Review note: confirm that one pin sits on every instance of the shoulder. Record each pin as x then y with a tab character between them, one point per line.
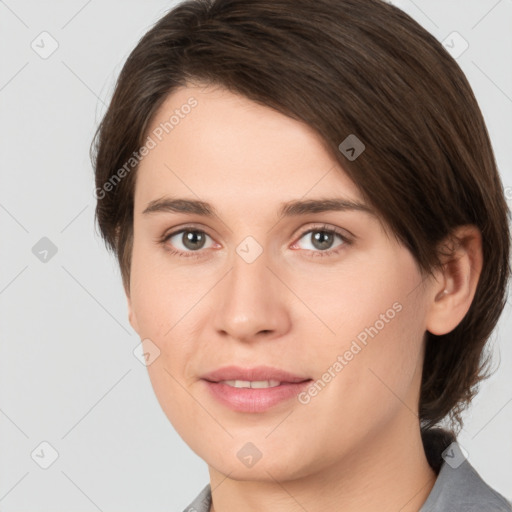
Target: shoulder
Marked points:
459	487
202	501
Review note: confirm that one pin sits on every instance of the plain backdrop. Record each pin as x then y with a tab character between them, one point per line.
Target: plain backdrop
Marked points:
73	397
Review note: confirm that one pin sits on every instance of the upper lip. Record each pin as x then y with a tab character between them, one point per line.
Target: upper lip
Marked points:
256	373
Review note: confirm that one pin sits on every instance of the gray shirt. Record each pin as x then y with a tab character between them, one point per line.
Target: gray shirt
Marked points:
458	488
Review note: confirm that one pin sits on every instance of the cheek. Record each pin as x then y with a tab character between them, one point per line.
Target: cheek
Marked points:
160	294
359	302
376	352
376	382
163	301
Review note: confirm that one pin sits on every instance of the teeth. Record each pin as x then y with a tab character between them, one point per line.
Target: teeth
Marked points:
259	384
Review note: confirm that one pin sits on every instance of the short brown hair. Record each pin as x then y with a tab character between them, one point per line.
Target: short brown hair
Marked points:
343	67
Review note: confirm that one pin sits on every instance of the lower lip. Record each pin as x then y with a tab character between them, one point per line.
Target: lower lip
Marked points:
257	399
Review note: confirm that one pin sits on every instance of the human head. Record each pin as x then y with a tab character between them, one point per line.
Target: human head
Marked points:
342	67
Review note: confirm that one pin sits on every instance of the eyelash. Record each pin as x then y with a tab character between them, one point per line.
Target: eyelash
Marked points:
316	253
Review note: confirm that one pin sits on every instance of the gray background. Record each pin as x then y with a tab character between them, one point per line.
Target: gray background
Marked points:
68	375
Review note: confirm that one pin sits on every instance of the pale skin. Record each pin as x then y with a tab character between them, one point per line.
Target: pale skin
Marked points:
356	446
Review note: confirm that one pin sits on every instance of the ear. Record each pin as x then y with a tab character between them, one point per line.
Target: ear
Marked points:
126	279
131	316
452	294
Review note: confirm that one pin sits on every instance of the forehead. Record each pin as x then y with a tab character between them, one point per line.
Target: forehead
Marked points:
212	143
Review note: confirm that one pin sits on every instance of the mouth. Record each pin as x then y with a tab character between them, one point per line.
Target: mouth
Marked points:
253	390
255	384
257	374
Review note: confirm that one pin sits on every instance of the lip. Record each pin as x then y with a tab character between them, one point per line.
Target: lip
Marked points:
253	400
255	373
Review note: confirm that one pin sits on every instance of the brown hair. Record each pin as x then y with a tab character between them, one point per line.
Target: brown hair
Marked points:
343	67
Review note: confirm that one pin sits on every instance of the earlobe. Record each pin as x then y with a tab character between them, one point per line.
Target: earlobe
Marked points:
453	294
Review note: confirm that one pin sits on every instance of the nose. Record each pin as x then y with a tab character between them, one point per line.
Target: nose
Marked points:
251	302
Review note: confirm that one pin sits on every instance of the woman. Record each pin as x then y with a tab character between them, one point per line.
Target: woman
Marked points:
314	245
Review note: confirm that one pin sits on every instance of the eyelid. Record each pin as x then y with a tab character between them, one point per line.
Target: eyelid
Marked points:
187	227
322	226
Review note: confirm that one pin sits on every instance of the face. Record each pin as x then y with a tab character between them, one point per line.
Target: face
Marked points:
321	293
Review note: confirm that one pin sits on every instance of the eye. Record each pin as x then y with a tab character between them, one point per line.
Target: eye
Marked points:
321	240
187	240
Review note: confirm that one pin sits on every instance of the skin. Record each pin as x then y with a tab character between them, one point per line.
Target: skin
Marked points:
355	446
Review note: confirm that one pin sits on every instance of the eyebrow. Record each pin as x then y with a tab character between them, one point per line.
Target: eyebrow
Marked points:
288	209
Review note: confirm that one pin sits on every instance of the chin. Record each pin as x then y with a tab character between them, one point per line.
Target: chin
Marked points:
268	468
